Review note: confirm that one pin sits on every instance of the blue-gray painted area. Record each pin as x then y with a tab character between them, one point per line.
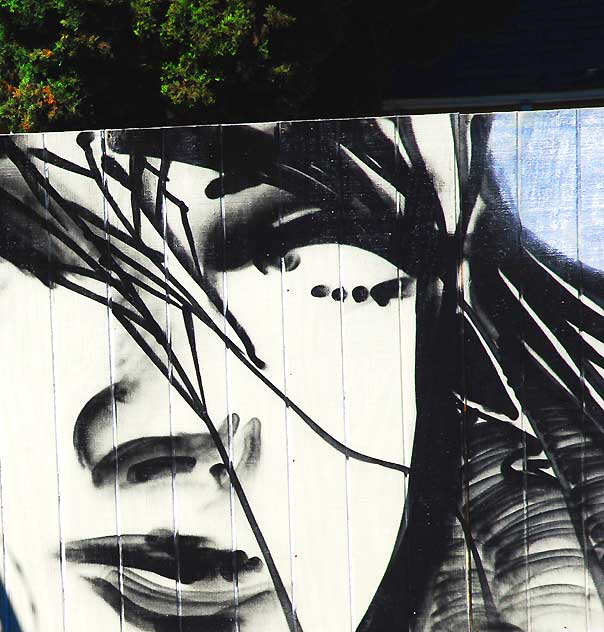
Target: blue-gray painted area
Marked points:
561	184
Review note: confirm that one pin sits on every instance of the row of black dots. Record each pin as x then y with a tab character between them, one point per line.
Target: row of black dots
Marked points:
360	293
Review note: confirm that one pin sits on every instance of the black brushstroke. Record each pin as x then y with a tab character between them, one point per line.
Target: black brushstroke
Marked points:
157	553
383	292
157	467
53	159
190	328
99	405
133	455
149	621
152	216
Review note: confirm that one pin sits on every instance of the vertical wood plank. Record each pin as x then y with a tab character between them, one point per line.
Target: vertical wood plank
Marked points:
432	206
253	297
142	397
375	410
204	507
504	550
590	124
82	370
31	562
549	213
313	357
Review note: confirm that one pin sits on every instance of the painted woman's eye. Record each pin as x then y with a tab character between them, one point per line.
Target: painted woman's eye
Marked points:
147	459
159	467
339	272
268	261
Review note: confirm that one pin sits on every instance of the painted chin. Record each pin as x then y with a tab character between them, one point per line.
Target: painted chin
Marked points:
151	601
216	588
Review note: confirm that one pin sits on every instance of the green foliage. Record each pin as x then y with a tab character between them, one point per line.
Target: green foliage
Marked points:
202	37
86	63
135	63
210	42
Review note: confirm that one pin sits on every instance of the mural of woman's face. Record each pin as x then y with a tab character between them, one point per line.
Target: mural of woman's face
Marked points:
128	511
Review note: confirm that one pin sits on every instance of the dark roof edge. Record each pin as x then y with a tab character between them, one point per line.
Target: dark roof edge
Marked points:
519	101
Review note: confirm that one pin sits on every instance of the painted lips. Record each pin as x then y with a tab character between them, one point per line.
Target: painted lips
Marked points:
151	564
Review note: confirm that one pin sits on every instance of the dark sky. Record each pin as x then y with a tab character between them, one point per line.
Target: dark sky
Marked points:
536	46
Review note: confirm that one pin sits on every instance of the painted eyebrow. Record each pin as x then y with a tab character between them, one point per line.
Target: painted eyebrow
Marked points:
96	408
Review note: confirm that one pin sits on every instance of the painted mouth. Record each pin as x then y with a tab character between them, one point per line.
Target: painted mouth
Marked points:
212	582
